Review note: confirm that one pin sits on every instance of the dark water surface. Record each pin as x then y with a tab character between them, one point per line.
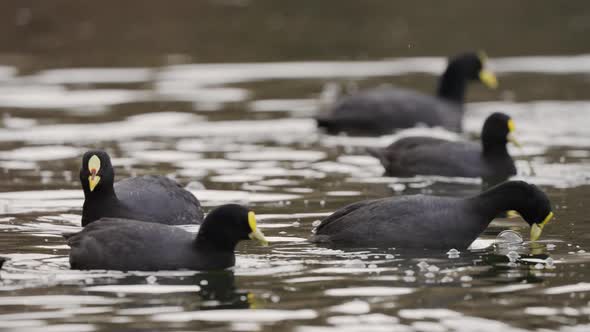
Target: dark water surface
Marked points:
219	95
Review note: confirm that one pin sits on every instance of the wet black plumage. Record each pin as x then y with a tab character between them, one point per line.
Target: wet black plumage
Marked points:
130	245
147	198
412	156
384	110
433	222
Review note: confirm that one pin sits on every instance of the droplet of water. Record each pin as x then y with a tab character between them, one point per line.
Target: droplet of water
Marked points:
549	262
204	282
513	256
550	246
581	251
275	298
316	223
466	279
446	279
409	279
422	265
356	264
433	268
509	236
389	256
67	176
397	187
372	266
453	253
296	224
194	186
429	275
151	280
539	266
322	203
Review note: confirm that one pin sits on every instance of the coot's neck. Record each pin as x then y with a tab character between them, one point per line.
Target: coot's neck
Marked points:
501	198
98	204
452	85
494	150
212	239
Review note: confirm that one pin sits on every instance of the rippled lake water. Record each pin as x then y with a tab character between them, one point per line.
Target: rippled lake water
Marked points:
243	132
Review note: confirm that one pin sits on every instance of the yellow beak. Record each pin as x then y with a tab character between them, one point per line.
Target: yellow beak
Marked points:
93	168
510	137
93	181
488	79
256	234
537	229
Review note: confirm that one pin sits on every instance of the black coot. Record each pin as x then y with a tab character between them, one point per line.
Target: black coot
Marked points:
147	198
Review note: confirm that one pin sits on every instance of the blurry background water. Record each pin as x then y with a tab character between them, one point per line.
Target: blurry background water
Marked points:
219	95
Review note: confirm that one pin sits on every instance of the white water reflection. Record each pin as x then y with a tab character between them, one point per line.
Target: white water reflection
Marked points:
93	75
281	105
262	315
7	72
63	200
57	97
216	74
369	291
53	300
41	153
166	124
277	154
143	289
